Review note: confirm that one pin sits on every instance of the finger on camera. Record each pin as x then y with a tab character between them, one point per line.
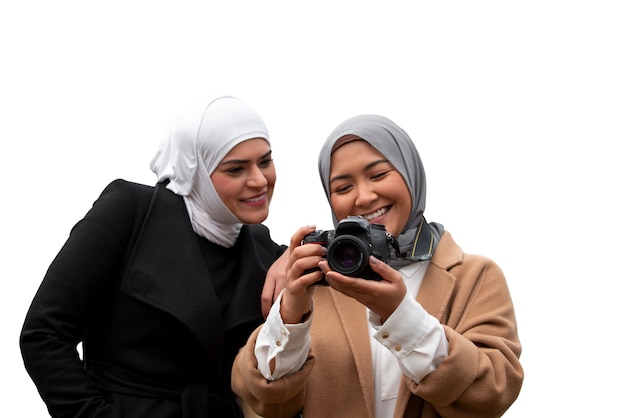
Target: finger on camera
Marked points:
298	236
312	248
305	257
337	280
335	275
300	286
312	277
383	269
306	264
308	250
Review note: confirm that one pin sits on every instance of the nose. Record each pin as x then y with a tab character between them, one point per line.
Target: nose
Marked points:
365	195
256	178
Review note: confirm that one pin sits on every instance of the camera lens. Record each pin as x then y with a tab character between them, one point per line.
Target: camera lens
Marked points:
348	255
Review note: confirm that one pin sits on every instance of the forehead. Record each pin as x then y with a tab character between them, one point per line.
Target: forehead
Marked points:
353	155
344	140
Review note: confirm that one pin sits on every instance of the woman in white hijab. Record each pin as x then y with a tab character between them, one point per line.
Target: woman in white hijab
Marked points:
432	333
161	284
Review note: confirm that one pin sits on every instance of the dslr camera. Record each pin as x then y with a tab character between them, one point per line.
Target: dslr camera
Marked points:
351	244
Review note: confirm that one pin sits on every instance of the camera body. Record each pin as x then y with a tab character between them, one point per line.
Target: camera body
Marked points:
351	244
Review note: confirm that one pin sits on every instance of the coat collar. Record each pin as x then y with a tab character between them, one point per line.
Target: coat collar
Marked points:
434	295
167	271
437	286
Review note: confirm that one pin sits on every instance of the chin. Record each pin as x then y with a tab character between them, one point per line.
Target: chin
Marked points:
393	231
253	219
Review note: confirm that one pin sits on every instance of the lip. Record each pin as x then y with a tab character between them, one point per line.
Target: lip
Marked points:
378	219
256	200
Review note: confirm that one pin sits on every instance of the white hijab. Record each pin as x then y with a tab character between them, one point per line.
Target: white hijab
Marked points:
193	146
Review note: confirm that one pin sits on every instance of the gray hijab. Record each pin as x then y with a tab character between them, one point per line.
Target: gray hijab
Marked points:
418	239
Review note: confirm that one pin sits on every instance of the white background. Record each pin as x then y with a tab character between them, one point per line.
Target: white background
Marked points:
517	108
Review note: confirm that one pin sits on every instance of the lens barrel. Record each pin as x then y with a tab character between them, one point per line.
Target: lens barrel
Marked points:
348	255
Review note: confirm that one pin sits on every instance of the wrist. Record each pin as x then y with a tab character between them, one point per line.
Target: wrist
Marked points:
293	316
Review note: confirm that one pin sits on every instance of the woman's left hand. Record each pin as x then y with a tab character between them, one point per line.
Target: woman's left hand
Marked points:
381	297
275	282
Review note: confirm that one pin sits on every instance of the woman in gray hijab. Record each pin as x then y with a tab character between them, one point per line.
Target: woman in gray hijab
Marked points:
429	331
161	284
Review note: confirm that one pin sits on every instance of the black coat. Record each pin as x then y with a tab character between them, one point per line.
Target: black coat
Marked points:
132	285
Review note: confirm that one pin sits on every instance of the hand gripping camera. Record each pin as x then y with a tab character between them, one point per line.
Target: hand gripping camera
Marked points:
351	244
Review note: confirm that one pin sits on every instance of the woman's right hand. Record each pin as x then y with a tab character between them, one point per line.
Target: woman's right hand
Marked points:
381	296
296	301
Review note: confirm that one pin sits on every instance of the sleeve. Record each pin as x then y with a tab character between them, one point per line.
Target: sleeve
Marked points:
281	398
482	375
414	337
71	291
287	346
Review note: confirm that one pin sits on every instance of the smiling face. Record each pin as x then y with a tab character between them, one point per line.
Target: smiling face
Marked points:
363	182
244	180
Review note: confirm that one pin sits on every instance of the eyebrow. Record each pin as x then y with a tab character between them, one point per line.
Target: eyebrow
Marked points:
367	167
267	154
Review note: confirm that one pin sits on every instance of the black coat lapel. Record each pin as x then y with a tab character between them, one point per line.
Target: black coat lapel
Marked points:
246	302
166	269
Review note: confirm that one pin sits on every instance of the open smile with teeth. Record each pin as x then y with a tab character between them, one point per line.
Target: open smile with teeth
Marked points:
255	198
376	214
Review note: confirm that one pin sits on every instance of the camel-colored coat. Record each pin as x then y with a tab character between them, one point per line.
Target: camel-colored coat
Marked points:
481	377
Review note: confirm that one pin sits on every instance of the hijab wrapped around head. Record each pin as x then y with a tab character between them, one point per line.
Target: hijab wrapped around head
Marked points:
193	146
418	239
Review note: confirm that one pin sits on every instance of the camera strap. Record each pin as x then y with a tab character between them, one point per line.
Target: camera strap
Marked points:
393	242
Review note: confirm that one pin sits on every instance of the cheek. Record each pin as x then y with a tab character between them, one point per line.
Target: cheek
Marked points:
270	176
340	205
223	186
405	205
271	181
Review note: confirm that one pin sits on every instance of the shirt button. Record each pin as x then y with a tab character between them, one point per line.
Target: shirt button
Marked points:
278	343
386	335
398	347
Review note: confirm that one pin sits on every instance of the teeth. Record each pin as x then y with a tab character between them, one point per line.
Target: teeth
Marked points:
376	214
255	199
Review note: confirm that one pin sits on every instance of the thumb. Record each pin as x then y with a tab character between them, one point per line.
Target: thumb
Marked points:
380	267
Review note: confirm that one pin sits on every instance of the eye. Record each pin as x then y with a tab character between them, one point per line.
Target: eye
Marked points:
344	188
265	163
379	175
235	170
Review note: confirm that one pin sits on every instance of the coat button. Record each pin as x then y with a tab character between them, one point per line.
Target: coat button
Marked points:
398	347
386	335
278	343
